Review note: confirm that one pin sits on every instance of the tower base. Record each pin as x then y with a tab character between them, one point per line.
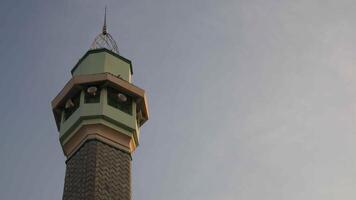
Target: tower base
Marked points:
98	171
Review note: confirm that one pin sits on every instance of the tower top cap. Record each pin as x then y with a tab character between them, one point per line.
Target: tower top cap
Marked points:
105	40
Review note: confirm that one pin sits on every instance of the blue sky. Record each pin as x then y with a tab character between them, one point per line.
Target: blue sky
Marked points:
248	99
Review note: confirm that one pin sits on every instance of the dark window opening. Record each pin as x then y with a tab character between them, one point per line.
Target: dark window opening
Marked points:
71	105
120	101
92	94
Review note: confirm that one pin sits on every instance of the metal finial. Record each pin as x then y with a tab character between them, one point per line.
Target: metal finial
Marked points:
104	40
104	27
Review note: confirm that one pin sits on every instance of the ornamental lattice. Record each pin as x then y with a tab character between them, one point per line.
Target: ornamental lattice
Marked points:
105	40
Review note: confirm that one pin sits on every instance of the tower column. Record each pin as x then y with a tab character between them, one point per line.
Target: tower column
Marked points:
98	171
98	114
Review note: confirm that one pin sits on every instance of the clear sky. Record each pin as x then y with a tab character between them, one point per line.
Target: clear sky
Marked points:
249	100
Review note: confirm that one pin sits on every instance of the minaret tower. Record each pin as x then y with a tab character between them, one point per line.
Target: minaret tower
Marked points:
99	113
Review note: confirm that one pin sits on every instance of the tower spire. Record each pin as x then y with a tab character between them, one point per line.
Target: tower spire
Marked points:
104	26
105	40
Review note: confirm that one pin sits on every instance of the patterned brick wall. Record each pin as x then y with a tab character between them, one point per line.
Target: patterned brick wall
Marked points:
98	172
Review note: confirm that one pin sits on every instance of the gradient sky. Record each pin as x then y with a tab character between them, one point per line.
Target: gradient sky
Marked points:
249	99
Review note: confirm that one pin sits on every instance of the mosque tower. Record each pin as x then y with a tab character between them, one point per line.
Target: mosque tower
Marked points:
98	114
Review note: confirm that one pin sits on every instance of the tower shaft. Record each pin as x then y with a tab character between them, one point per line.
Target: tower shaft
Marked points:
98	114
98	171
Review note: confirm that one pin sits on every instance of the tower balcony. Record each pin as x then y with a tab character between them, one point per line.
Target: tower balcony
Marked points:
102	106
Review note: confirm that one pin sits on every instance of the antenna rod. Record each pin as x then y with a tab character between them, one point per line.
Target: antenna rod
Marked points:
104	27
